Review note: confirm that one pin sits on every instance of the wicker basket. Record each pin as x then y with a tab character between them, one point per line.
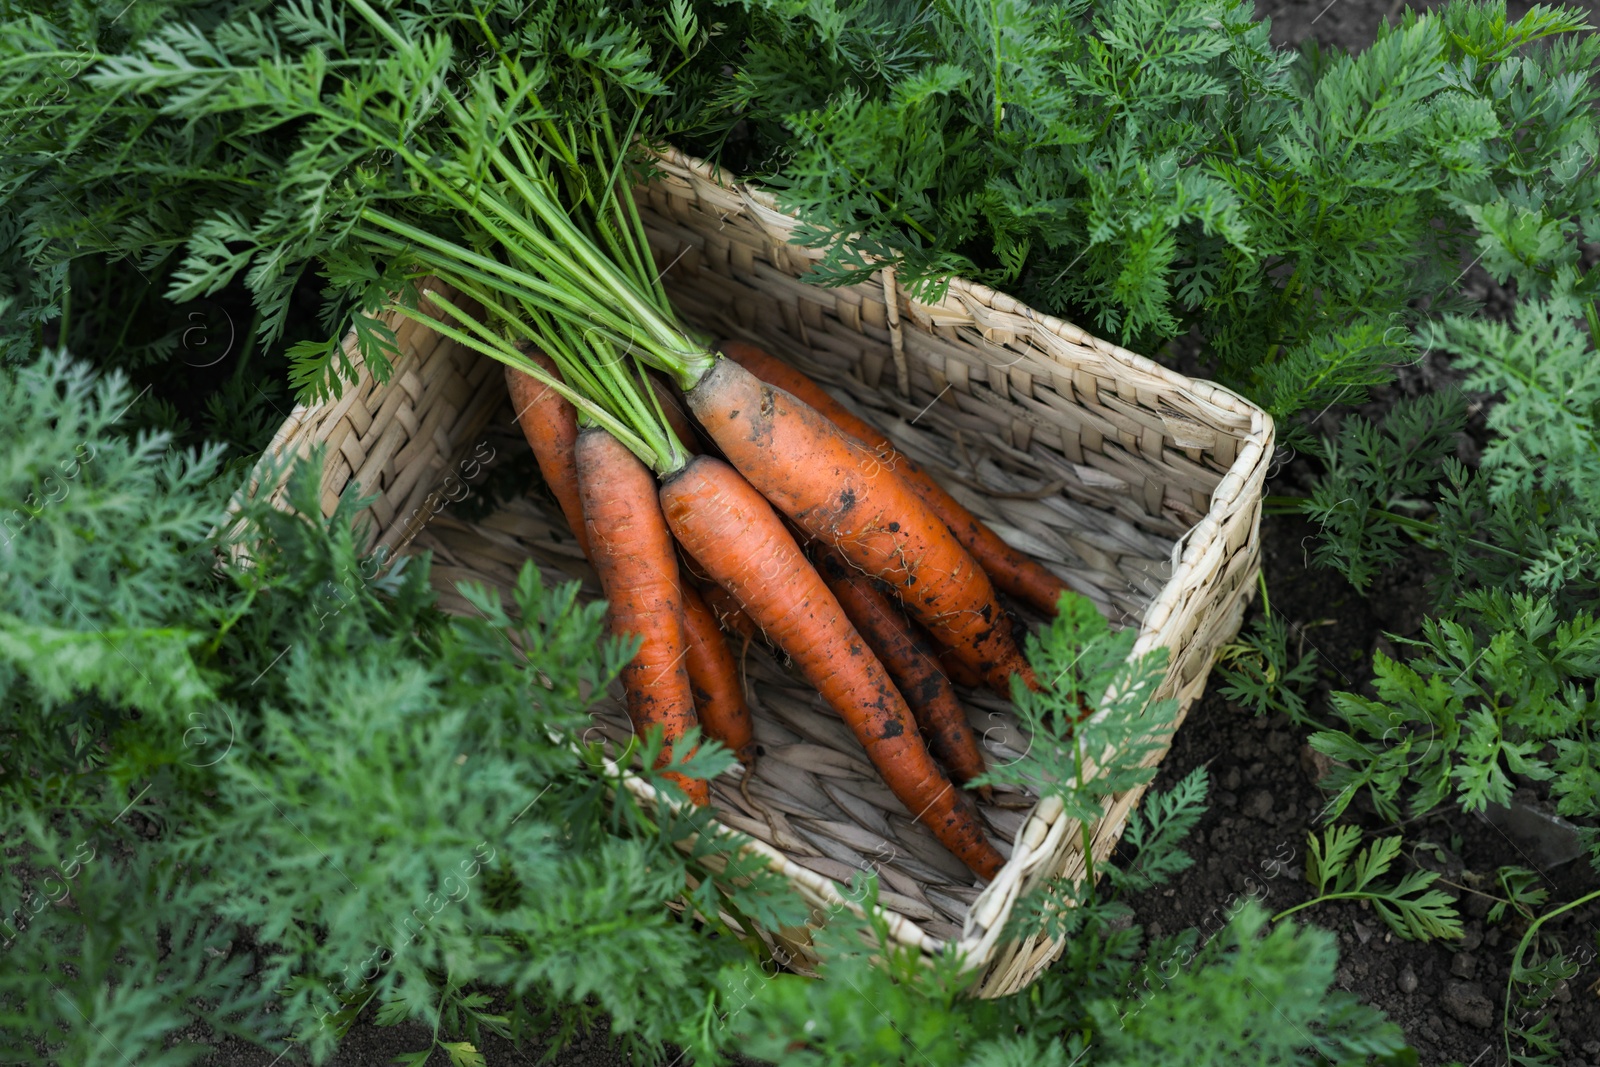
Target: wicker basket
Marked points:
1139	486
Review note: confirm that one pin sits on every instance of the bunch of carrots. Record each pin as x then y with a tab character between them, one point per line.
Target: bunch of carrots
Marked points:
810	527
765	498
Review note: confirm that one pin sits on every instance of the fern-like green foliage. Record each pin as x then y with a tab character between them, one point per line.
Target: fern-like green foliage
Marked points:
1482	700
1410	907
1156	166
245	141
1501	682
1250	994
1102	945
1095	722
1371	474
1523	893
1259	671
102	558
1543	461
387	805
1155	831
119	954
1257	979
90	539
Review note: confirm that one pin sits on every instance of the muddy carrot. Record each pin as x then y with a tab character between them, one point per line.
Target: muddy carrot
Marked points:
633	553
715	680
1010	570
840	491
551	426
910	660
956	671
732	531
730	616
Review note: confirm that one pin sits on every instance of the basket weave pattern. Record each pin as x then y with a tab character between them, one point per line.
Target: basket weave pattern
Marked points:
1139	486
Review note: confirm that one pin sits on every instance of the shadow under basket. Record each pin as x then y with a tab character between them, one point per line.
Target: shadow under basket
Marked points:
1139	486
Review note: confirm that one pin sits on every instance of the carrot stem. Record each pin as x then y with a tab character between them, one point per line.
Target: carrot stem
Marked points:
497	348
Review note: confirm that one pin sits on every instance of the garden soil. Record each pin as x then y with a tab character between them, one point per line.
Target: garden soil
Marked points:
1448	996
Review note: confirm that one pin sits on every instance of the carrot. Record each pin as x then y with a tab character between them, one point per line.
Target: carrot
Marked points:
550	424
1010	570
841	492
956	671
732	531
730	616
714	679
910	661
632	551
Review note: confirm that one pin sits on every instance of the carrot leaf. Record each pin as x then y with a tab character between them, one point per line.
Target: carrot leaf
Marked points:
1080	759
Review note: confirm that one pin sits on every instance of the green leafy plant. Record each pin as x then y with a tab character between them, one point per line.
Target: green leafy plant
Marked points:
1156	167
1499	686
1529	515
1409	907
1260	672
1250	974
1155	831
1541	468
460	1012
383	803
1372	475
1153	165
1519	894
1522	892
100	547
1249	991
1064	907
1095	723
1541	974
1470	711
277	144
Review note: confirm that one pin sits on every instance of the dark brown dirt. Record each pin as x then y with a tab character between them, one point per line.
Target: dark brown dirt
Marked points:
1446	995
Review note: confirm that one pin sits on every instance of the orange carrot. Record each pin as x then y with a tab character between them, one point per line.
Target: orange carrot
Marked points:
838	490
632	551
732	531
550	424
1010	570
956	671
910	661
730	616
726	610
714	679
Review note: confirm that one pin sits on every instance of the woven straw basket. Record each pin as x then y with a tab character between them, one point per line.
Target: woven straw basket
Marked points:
1139	486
